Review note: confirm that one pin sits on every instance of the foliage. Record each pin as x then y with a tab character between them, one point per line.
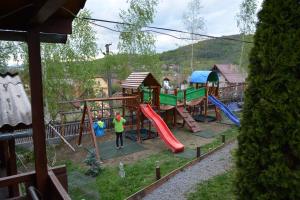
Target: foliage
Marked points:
136	44
268	157
93	163
139	14
193	22
192	19
246	18
8	50
219	187
67	74
24	156
209	52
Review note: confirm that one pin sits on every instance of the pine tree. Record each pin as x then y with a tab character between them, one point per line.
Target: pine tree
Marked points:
94	165
268	157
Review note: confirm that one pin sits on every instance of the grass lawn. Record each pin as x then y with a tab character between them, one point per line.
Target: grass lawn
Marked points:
218	188
138	175
108	185
230	134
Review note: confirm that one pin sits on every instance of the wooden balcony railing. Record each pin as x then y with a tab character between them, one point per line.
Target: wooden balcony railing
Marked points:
58	184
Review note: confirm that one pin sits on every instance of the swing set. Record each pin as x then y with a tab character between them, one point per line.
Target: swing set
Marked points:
87	112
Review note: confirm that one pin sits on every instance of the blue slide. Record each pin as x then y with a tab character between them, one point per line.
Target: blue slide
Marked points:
225	109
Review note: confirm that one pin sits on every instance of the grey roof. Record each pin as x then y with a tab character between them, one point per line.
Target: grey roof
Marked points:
15	108
231	73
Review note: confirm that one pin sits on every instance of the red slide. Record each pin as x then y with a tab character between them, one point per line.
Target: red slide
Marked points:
164	132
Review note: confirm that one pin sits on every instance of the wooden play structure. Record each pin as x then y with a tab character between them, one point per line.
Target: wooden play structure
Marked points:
187	102
138	103
208	81
132	97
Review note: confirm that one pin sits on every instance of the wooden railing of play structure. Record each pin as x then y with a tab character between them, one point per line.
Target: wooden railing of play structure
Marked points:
131	103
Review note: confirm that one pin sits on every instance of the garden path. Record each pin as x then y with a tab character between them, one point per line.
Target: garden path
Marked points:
185	182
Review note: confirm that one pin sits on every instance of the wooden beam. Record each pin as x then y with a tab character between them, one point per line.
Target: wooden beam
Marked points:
81	124
47	10
102	99
22	36
93	133
37	109
28	177
58	186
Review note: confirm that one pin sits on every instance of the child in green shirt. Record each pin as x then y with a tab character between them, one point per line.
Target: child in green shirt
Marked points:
119	122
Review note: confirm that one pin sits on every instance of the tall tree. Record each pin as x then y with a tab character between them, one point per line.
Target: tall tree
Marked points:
132	39
66	69
193	22
246	20
268	156
139	45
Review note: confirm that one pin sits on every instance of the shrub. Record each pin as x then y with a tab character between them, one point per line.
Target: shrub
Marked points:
268	157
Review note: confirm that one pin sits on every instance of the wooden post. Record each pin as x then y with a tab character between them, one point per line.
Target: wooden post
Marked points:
184	98
102	109
12	168
62	122
82	124
198	152
223	138
123	103
93	136
157	172
138	123
37	110
206	101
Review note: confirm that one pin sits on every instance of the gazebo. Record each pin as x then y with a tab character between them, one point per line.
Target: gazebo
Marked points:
33	22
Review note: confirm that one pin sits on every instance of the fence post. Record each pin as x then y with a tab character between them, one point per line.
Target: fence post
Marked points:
198	152
223	138
157	170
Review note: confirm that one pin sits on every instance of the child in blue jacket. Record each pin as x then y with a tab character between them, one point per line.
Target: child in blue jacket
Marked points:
99	127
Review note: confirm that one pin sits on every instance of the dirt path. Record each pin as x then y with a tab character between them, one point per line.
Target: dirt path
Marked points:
185	182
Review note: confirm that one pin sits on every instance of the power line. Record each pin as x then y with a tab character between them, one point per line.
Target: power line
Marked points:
165	29
151	27
147	30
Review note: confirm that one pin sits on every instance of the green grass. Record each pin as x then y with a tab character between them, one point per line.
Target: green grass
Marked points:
108	185
229	135
218	188
138	175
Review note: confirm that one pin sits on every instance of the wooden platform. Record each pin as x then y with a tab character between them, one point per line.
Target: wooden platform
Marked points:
191	123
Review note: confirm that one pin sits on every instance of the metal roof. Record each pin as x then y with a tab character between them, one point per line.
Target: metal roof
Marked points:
203	77
15	108
230	73
136	79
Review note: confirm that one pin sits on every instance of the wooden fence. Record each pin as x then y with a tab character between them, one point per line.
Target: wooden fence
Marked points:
71	129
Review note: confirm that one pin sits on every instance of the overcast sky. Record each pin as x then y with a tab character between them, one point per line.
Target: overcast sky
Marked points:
219	16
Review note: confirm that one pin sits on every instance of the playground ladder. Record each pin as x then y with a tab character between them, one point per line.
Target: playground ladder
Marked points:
191	123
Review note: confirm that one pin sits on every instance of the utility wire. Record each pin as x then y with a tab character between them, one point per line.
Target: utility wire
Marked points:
147	30
151	27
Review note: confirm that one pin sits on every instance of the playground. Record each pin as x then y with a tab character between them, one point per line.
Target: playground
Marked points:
150	113
164	128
